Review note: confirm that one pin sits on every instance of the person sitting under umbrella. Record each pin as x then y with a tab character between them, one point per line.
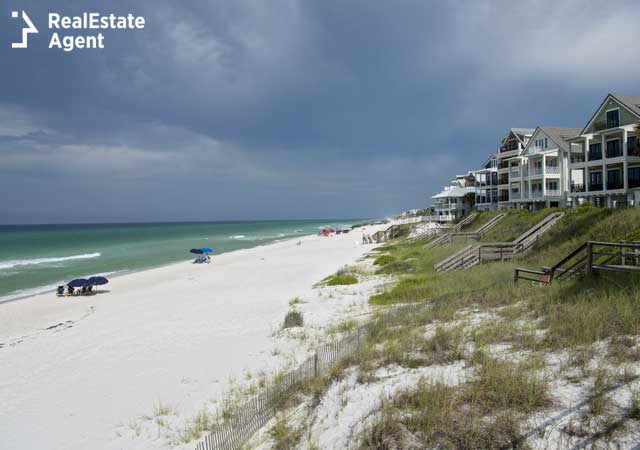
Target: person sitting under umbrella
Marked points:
77	283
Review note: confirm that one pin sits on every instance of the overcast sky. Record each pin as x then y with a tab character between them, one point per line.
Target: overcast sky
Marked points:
236	109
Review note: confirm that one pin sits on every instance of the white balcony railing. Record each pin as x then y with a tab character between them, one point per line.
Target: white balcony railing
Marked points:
515	196
536	194
515	173
554	192
445	207
535	171
552	170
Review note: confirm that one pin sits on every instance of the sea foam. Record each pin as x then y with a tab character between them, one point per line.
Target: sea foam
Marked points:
38	261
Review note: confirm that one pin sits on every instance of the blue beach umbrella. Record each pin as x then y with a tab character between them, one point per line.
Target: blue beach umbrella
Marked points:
78	282
98	281
197	251
206	250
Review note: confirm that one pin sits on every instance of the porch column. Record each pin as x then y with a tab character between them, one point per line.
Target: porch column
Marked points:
586	148
624	175
586	178
544	176
624	161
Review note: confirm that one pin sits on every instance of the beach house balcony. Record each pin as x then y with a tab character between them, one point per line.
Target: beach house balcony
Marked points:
578	187
503	164
614	149
595	152
612	121
595	181
510	146
552	170
633	177
554	193
604	157
615	177
535	171
537	193
632	148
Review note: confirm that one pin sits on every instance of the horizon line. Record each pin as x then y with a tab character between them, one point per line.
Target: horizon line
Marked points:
186	221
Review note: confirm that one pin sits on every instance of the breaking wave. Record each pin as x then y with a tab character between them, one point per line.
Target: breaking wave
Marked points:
38	261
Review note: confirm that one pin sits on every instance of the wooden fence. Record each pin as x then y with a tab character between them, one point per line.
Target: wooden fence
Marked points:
254	413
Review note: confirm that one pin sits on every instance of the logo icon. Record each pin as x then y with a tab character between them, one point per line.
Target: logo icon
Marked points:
30	28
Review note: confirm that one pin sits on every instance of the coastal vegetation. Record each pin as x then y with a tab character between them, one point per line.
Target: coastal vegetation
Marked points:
514	345
342	279
293	319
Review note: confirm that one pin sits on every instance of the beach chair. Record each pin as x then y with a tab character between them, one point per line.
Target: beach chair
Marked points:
70	290
83	291
60	291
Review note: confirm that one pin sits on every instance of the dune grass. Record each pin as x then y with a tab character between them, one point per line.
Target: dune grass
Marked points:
341	279
516	222
484	413
383	260
489	409
483	218
293	319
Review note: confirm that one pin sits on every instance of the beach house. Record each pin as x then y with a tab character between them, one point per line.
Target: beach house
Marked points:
486	182
455	200
604	161
508	156
542	178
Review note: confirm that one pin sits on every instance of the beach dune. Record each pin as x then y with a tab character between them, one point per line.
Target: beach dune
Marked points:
73	369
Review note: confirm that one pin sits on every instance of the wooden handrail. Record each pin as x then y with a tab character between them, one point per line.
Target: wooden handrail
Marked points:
454	256
544	222
587	260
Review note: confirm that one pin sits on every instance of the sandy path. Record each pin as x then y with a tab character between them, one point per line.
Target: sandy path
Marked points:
173	334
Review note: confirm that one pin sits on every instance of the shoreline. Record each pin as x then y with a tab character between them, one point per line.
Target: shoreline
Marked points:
175	334
124	272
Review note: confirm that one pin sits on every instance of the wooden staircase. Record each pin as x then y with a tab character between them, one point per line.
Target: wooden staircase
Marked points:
474	254
530	237
448	238
428	234
589	258
466	221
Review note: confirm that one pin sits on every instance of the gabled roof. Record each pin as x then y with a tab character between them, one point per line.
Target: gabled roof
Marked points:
631	102
523	131
519	133
560	135
487	162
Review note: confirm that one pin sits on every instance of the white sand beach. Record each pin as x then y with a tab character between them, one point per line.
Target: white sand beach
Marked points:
74	370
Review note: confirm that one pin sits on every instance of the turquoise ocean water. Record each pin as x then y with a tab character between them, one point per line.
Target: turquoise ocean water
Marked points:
36	258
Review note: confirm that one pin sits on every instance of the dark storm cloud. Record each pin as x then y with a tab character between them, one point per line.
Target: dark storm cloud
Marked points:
249	109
